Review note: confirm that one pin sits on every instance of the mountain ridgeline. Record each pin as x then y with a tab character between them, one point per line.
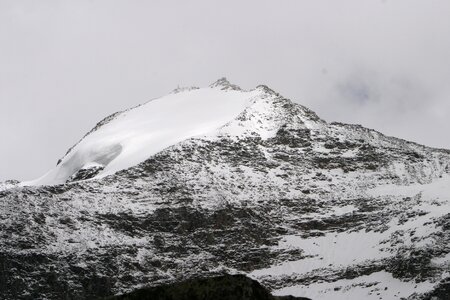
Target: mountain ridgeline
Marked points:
218	180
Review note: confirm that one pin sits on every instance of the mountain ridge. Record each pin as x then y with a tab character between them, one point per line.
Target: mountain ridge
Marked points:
305	207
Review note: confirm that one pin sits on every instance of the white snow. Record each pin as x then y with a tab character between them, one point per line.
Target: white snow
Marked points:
136	134
444	260
350	153
91	164
379	285
331	250
340	250
439	188
6	186
259	118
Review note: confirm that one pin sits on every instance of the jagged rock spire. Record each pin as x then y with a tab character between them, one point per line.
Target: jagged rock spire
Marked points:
267	89
224	84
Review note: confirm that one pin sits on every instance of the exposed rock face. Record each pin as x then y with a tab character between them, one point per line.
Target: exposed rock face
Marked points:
86	173
225	287
305	207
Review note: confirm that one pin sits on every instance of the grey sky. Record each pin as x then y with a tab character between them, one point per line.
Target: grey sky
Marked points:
64	65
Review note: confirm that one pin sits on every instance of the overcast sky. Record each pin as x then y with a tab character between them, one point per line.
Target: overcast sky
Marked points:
64	65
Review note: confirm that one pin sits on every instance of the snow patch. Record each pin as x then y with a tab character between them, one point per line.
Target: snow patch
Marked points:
378	285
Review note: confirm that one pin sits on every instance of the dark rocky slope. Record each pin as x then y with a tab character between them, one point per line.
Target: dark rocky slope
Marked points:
225	287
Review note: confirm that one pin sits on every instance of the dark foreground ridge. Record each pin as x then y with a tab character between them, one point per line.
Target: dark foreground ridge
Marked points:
225	287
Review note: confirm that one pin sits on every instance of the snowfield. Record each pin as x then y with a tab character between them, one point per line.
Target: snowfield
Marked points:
136	134
379	285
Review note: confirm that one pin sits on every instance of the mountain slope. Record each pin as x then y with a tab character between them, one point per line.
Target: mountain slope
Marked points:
129	137
307	208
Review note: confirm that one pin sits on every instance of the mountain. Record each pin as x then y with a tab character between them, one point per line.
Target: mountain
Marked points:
219	180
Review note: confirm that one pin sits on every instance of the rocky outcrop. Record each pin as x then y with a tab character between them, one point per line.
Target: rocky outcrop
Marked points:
225	287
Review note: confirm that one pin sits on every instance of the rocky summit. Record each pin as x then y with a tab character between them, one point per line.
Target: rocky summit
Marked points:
207	181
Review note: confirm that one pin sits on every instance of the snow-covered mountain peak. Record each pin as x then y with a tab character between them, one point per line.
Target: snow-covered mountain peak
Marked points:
127	138
130	137
224	84
218	179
